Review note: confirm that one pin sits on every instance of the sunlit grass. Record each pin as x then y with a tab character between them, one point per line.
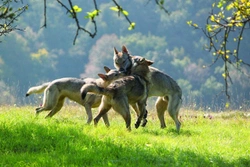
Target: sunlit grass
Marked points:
221	139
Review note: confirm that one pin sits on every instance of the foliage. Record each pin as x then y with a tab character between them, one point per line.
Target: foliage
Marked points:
205	140
226	24
9	15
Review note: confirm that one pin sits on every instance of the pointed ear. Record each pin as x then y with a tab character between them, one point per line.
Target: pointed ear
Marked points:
106	69
115	51
124	49
149	62
103	76
141	59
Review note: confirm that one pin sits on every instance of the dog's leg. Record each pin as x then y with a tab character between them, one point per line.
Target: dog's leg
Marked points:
103	109
121	106
56	108
145	121
102	112
173	109
89	113
161	107
105	119
45	106
143	111
135	107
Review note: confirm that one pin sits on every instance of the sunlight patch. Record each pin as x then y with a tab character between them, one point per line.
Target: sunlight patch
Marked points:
40	53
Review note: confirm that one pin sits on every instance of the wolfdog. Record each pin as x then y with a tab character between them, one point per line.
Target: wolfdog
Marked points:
120	93
168	91
57	90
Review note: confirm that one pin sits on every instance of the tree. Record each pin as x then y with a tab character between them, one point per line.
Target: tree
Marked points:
9	13
225	27
73	10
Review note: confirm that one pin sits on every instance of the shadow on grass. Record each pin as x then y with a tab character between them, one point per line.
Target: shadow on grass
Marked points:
169	131
33	144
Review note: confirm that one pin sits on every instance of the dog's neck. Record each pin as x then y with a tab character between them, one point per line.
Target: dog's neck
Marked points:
101	83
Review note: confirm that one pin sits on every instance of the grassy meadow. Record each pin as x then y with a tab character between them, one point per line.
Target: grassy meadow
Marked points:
219	139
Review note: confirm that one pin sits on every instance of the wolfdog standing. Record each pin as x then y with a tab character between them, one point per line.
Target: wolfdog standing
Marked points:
57	90
168	91
120	93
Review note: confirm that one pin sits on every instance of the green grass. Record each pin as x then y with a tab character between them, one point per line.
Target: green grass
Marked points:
65	140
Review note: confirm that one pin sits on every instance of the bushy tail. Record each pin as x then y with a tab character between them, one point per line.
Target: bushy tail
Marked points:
37	89
94	89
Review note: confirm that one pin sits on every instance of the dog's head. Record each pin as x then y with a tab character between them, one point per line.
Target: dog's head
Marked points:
111	75
140	66
122	60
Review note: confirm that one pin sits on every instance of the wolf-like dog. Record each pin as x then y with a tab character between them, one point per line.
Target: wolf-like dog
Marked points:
168	91
57	90
120	93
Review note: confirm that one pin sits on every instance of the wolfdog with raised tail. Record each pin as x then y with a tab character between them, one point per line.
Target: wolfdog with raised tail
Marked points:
57	90
166	88
132	89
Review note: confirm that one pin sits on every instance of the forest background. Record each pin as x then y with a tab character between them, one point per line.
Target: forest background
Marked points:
38	55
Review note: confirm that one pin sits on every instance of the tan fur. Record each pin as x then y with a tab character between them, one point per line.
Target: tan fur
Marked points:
56	91
168	91
122	92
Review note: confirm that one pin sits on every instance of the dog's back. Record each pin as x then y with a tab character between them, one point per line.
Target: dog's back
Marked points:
133	87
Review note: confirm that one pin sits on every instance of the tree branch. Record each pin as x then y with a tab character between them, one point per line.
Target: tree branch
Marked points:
74	16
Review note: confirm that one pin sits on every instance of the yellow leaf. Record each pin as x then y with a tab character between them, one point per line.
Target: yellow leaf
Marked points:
114	8
76	9
189	22
239	24
125	12
195	25
212	18
132	26
224	75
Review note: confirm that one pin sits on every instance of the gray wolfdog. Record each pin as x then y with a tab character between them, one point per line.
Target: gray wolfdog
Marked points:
120	93
57	90
168	91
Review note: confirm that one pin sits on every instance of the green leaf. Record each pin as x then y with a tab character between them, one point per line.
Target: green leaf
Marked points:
132	26
162	2
96	12
92	14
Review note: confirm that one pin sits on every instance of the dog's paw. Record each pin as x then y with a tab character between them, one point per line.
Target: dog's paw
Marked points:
137	124
144	123
95	122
